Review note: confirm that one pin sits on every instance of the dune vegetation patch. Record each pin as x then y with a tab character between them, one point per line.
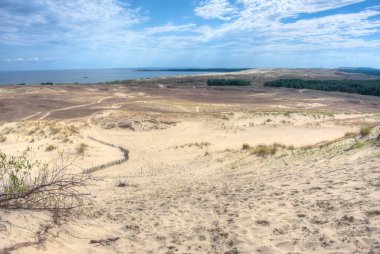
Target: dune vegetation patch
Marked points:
31	184
81	148
50	148
200	145
262	150
365	130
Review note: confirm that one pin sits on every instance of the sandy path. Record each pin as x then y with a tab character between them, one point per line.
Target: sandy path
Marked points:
74	107
31	116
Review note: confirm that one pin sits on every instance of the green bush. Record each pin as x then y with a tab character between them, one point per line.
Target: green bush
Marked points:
228	82
262	150
31	185
365	130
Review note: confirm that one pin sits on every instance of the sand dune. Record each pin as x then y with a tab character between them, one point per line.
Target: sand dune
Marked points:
190	187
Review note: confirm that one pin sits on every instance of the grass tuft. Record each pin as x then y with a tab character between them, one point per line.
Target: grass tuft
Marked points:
50	148
262	150
2	138
81	148
365	130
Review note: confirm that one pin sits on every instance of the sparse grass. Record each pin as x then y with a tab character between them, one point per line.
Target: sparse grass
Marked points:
50	148
54	130
358	144
291	147
200	145
65	140
7	130
81	148
373	213
350	135
246	147
307	147
262	150
2	138
365	130
122	183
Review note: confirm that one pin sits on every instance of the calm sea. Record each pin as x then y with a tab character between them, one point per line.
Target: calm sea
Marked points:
82	76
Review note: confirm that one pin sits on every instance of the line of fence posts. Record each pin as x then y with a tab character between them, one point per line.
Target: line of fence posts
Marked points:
109	164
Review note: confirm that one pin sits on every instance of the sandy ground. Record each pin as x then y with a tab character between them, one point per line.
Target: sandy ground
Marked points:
189	187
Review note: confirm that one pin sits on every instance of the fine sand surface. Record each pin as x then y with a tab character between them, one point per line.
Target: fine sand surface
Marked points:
188	186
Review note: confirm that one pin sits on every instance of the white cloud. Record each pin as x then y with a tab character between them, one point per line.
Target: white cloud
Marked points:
250	25
70	20
259	23
169	28
28	59
215	9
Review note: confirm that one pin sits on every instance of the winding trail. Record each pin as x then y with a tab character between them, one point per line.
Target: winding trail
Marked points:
30	116
73	107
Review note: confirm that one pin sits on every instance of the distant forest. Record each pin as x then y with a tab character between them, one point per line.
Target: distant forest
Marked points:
365	87
361	70
228	82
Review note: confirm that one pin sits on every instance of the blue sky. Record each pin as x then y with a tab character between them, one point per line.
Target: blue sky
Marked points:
70	34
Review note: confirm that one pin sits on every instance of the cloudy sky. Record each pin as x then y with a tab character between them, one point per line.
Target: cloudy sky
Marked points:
69	34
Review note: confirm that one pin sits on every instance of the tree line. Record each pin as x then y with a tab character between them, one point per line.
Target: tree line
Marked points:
365	87
228	82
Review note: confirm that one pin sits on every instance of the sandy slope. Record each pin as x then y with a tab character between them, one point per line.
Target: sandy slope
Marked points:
188	186
182	197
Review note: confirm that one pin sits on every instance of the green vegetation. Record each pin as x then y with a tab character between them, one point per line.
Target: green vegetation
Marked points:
31	185
365	87
365	130
228	82
262	150
362	70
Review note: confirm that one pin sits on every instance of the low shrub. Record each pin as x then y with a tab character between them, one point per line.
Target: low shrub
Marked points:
365	130
31	185
50	148
246	147
262	150
81	148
